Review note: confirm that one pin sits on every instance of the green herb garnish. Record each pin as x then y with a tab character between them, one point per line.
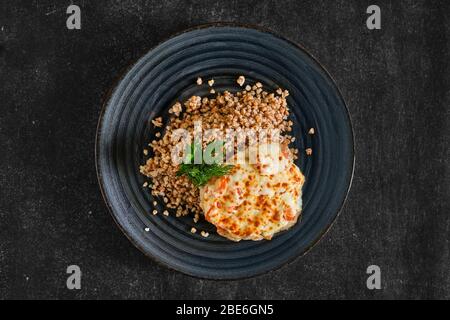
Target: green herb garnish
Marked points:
200	174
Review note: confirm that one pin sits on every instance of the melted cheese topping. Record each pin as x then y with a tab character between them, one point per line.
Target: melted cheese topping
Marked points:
256	200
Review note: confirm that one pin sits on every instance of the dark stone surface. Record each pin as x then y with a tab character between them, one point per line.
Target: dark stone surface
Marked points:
396	83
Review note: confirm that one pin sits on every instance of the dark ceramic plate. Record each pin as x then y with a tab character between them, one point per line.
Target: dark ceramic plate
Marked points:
168	73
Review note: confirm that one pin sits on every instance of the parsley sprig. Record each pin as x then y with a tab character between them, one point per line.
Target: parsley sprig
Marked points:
200	174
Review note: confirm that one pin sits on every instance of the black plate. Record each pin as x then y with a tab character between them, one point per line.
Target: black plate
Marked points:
168	73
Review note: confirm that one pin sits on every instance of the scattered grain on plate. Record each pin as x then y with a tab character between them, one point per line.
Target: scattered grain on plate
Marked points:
248	88
212	91
155	212
196	217
165	212
193	230
145	185
311	131
158	134
308	151
176	109
157	122
211	82
147	229
204	234
155	203
241	80
199	81
145	152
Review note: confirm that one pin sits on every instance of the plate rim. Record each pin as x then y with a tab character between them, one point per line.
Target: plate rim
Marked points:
124	71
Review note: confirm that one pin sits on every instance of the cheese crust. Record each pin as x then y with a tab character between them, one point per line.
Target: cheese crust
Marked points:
257	199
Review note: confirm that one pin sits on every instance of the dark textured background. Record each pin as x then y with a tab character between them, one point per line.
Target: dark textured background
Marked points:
396	82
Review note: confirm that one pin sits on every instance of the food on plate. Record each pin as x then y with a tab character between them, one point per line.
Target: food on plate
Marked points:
272	201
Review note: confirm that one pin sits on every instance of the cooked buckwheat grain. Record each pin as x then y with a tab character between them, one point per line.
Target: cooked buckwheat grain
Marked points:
248	109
